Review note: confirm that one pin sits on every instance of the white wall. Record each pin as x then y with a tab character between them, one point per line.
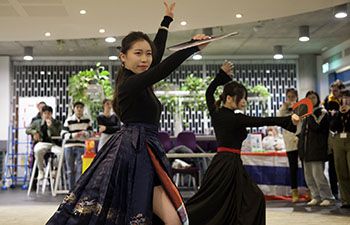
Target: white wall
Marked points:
4	96
344	61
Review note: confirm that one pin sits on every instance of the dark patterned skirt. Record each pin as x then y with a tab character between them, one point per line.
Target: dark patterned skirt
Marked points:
227	195
117	188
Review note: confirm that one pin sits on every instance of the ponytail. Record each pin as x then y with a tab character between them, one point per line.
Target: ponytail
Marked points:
118	81
220	101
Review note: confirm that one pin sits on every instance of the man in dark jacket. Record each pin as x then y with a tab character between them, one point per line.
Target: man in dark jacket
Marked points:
42	131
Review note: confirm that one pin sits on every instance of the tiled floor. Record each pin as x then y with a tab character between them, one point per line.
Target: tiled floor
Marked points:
17	208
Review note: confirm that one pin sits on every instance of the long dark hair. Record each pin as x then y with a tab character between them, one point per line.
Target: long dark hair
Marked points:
317	96
233	89
127	42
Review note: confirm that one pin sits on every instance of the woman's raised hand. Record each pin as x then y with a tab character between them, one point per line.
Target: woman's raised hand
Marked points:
169	10
201	37
227	67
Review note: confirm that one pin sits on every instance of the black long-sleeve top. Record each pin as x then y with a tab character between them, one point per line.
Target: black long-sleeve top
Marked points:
229	125
136	99
339	122
111	122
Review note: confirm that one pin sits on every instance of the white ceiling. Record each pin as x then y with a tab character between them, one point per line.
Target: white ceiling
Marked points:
264	24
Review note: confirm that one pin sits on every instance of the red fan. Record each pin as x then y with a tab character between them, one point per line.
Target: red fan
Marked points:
192	43
303	108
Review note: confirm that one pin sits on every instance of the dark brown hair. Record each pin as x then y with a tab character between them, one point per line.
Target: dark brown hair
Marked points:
338	83
293	90
127	42
317	96
233	89
105	100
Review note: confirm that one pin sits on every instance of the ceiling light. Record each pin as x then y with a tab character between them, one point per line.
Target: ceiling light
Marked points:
112	53
183	23
28	53
277	51
101	30
197	56
238	15
82	12
47	34
341	11
304	34
110	39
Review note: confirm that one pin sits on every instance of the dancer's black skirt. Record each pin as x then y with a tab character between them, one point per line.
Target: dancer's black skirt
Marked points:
117	188
227	195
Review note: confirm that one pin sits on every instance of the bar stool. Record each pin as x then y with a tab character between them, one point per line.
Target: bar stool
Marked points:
49	157
61	186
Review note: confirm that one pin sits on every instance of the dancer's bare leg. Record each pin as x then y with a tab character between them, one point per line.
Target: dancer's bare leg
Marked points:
163	207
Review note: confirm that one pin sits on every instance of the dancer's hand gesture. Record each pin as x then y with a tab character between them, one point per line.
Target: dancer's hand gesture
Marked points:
201	37
169	10
227	67
295	119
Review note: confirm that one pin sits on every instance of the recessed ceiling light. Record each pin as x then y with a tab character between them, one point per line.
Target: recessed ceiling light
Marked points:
183	23
110	39
28	53
113	57
341	11
113	53
197	56
277	49
238	15
83	12
304	33
28	58
341	15
278	56
304	39
47	34
101	30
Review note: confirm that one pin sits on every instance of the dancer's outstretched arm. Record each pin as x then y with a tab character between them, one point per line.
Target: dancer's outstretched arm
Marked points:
162	34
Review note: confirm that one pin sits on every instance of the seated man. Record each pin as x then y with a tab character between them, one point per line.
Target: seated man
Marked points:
42	130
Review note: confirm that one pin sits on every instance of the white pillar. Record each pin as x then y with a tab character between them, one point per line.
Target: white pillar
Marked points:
4	99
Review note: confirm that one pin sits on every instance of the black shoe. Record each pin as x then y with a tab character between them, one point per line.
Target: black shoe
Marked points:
345	206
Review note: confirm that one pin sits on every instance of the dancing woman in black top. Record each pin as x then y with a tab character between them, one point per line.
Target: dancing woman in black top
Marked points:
228	196
129	179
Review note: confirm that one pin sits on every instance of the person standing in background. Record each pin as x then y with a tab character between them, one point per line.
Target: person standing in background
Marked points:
339	142
330	103
313	147
76	129
108	123
291	142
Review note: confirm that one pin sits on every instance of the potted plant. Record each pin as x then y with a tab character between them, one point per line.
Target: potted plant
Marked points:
260	91
91	87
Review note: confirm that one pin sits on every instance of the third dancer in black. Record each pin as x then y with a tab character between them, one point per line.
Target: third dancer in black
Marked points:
228	196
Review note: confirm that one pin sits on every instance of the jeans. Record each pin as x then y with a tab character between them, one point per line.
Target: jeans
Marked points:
73	158
317	181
